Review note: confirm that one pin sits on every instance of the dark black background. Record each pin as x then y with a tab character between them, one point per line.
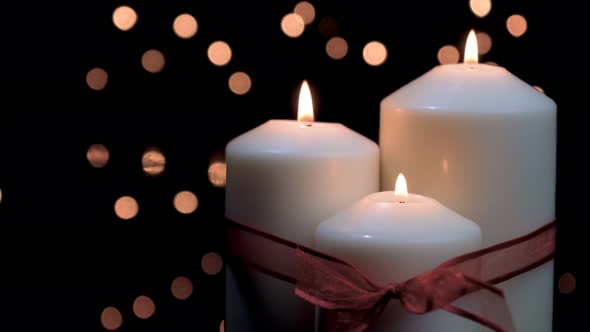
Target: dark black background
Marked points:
64	255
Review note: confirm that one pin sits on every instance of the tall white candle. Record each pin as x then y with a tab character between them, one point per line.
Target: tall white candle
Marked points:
285	177
482	142
393	236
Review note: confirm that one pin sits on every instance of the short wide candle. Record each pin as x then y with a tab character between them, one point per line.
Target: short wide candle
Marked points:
393	236
284	177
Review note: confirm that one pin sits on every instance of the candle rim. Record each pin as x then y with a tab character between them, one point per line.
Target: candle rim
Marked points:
448	84
410	199
473	67
382	223
290	139
317	124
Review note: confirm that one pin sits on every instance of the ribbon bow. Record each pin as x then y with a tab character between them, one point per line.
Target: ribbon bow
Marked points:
354	302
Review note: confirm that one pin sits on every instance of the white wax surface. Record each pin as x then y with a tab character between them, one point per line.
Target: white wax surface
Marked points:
391	241
483	143
285	177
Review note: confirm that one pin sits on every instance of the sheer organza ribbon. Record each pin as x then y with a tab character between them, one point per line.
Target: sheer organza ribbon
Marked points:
354	302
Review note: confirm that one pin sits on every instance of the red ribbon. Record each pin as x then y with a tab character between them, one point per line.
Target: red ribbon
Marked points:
354	302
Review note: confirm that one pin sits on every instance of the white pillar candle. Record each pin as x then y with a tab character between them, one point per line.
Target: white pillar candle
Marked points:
284	177
393	236
482	142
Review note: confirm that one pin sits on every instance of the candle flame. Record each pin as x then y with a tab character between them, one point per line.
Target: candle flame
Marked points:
305	107
401	186
471	48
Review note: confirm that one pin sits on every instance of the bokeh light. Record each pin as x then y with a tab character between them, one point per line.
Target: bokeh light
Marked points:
448	54
98	155
328	27
97	78
153	61
240	83
0	195
567	283
375	53
480	8
186	202
185	26
124	18
222	326
484	42
516	25
293	25
126	207
337	48
111	318
445	166
143	307
212	263
219	53
217	173
306	11
153	161
181	288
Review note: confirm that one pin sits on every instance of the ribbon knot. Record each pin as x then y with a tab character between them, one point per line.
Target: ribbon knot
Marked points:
353	302
433	290
391	293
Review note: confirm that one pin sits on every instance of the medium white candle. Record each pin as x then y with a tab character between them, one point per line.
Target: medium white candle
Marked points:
285	177
393	236
482	142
